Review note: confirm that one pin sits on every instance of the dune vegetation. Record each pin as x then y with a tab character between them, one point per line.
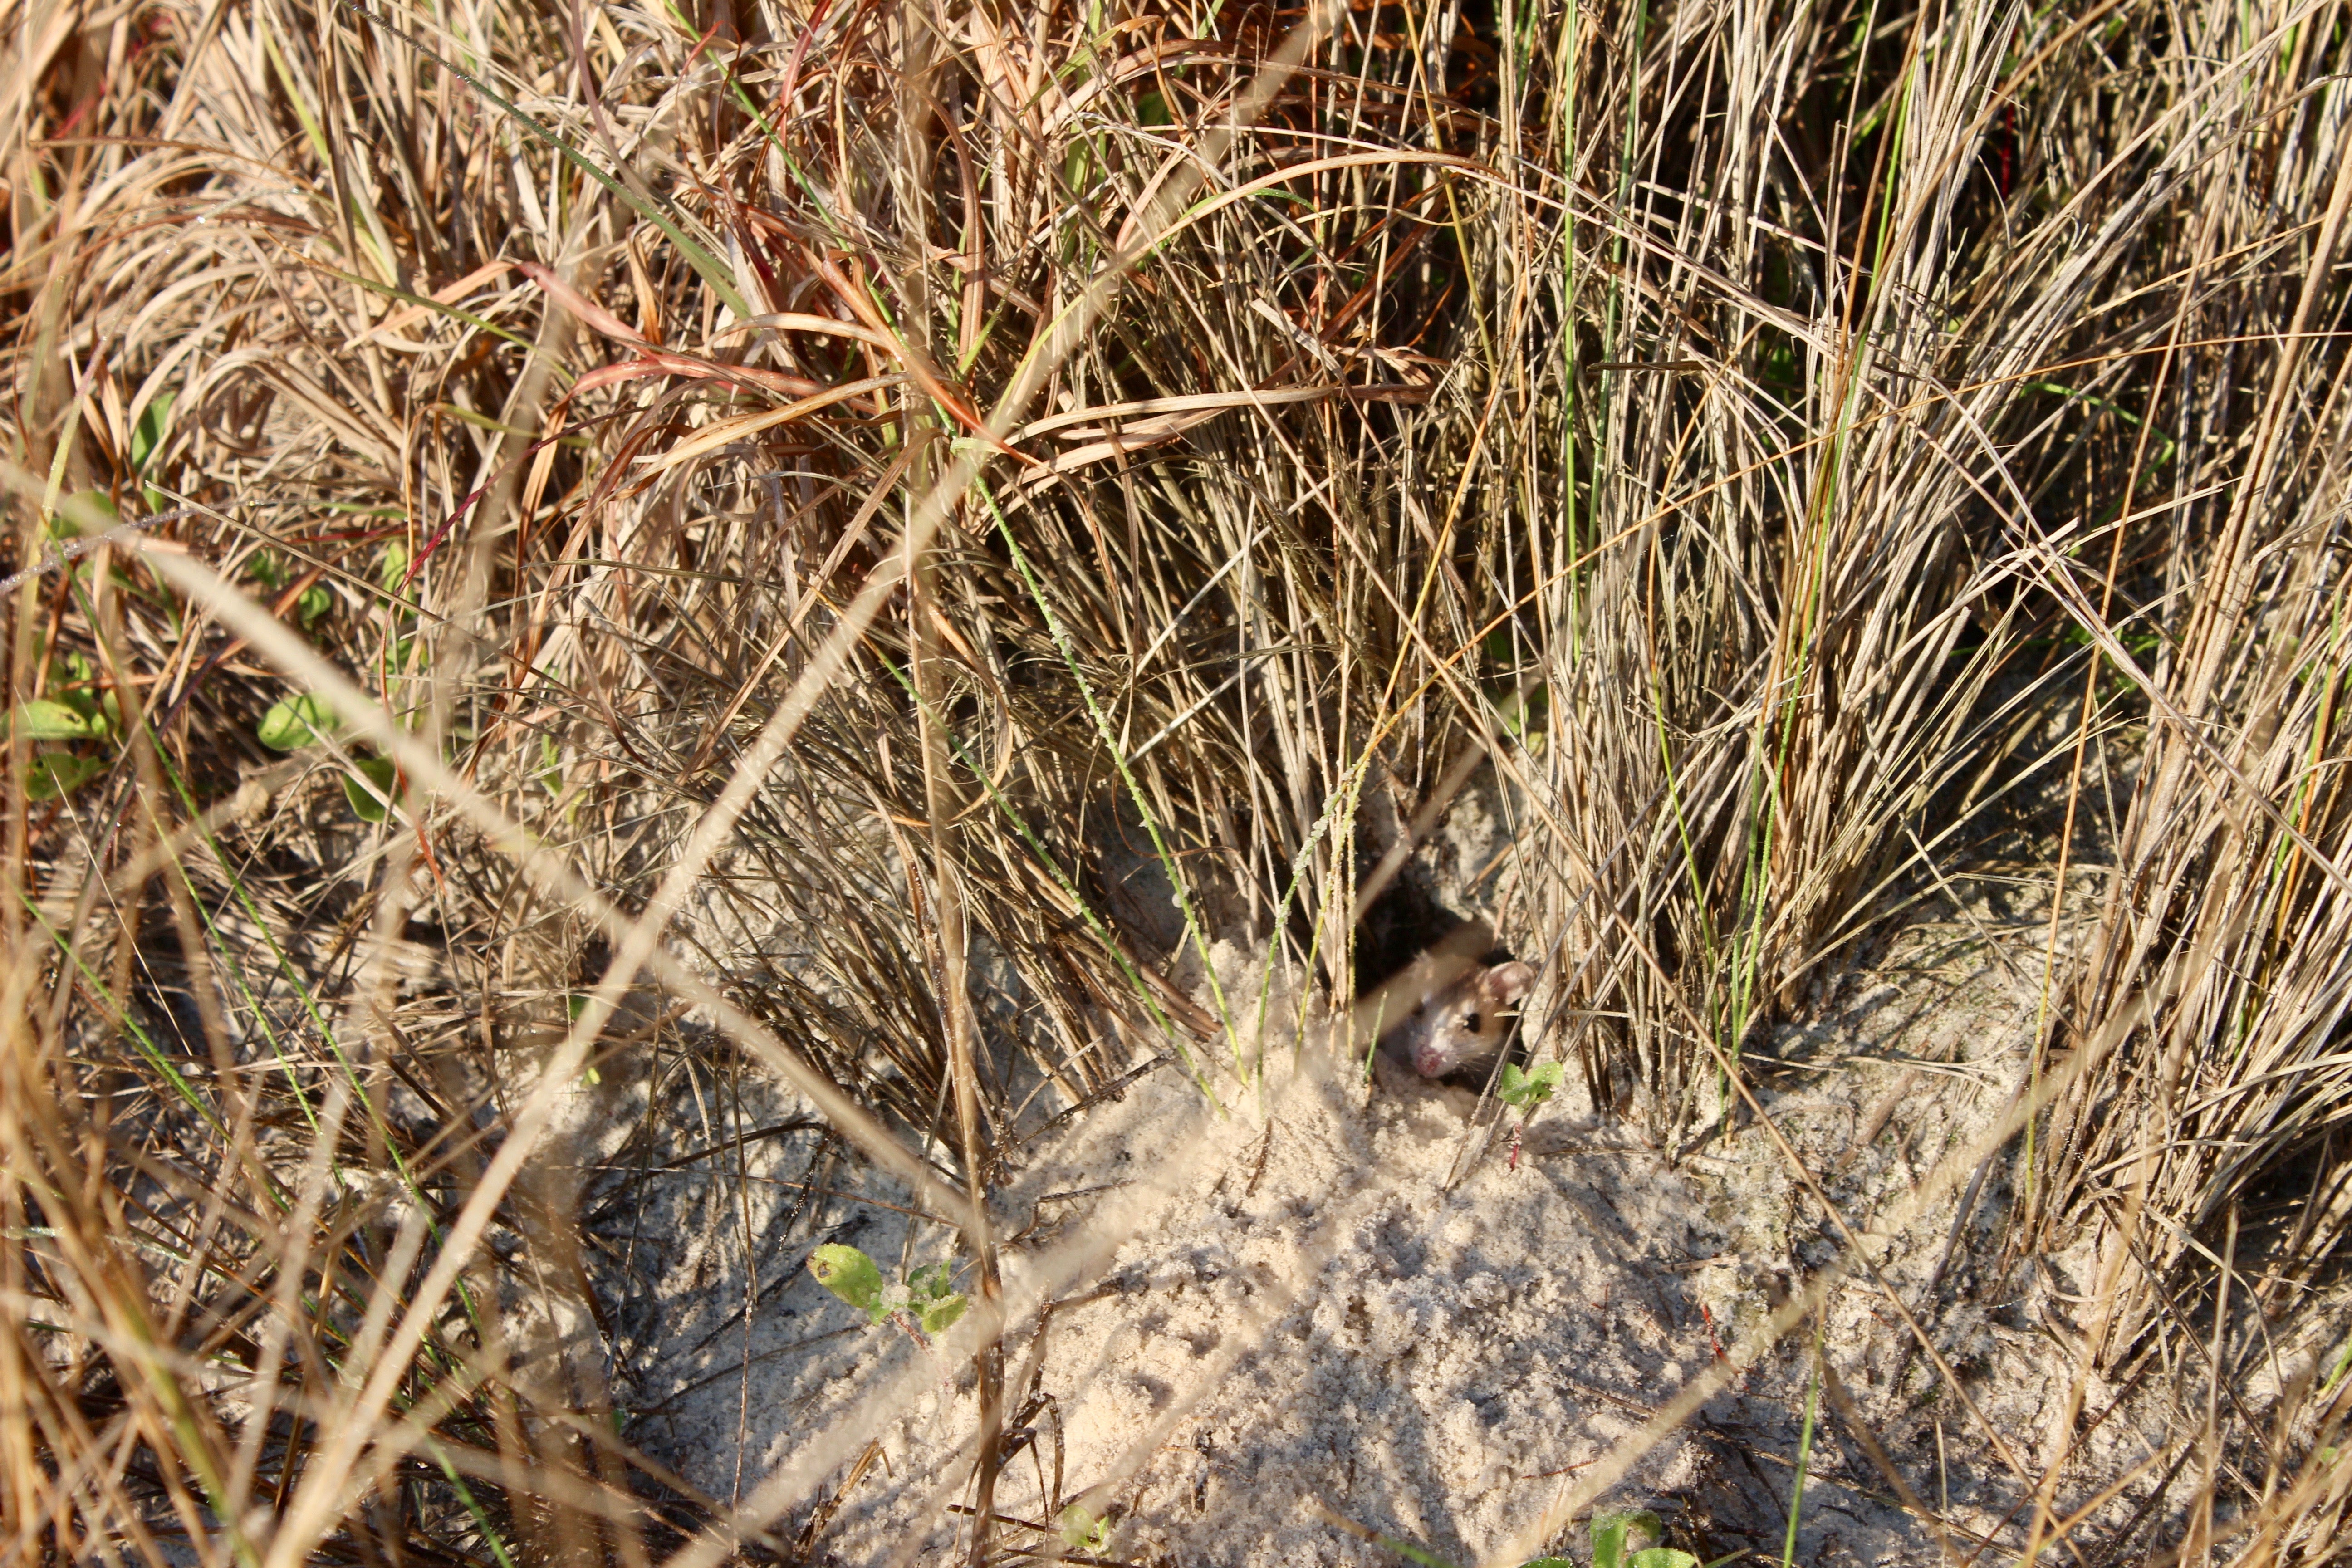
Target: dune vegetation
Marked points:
541	533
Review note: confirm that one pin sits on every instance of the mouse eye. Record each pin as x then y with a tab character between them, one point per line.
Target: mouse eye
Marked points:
1472	1023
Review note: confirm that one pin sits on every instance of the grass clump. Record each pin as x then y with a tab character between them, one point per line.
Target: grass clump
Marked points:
855	547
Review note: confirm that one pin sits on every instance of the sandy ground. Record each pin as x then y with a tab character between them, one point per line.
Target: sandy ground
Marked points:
1268	1314
1340	1304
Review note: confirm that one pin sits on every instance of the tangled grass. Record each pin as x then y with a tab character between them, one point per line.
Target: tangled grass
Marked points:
785	514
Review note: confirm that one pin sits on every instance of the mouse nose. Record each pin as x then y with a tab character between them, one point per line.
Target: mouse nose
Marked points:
1428	1061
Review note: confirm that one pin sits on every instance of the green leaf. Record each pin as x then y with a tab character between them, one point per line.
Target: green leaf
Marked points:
1527	1089
380	773
53	774
394	570
1661	1557
44	719
1082	1531
2335	1374
942	1315
296	722
1612	1531
1523	715
315	601
1548	1562
84	511
852	1276
154	423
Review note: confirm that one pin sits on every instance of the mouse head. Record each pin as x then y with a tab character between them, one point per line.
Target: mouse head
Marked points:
1466	1022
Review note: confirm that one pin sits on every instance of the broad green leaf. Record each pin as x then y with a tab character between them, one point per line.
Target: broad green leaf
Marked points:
53	774
154	423
315	600
1525	1088
1661	1557
44	719
100	713
380	773
1517	712
931	1293
1081	1531
852	1276
295	723
84	511
942	1315
932	1282
1613	1535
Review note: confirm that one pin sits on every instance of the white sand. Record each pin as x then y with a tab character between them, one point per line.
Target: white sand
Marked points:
1285	1308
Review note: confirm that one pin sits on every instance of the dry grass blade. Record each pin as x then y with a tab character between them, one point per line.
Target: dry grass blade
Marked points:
724	619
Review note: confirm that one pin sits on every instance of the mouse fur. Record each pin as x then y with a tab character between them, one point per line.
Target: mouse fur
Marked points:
1458	1023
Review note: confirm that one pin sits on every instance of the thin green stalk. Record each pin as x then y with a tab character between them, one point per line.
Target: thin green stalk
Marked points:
1804	1455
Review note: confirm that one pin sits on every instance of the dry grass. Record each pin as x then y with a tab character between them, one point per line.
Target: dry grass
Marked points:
817	509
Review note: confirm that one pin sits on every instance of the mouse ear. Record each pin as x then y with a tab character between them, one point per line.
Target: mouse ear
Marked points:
1509	981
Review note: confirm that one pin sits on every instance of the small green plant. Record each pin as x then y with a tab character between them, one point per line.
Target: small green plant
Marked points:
295	722
1805	1455
928	1303
1615	1539
154	423
2335	1374
304	721
1082	1531
933	1297
1523	711
1525	1090
274	575
78	711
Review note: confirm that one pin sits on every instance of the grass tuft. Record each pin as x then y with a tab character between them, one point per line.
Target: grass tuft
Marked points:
876	548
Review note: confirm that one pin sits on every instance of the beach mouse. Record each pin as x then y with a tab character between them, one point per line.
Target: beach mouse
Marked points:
1457	1021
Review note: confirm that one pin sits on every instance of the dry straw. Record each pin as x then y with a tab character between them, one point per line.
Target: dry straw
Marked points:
790	516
